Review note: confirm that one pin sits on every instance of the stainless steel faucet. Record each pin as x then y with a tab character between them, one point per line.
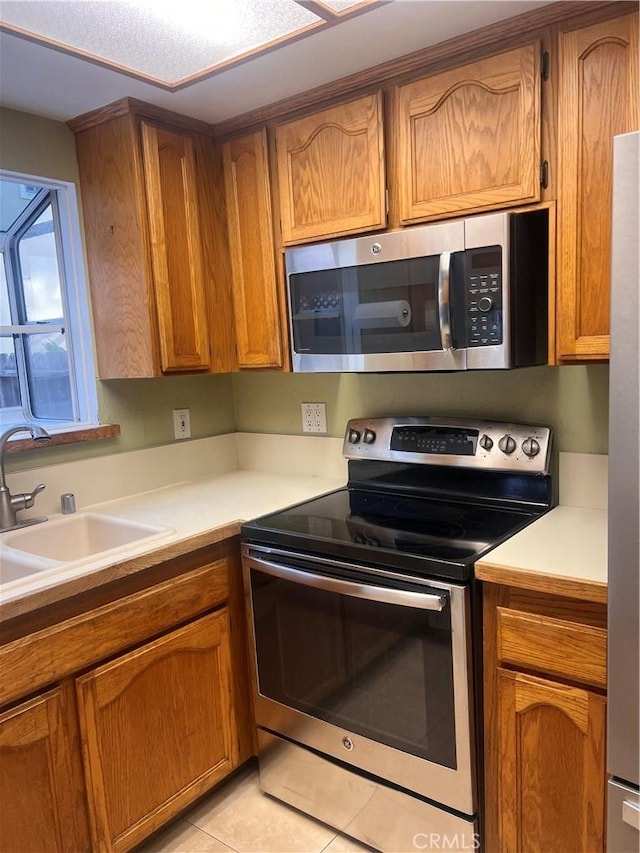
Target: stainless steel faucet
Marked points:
10	504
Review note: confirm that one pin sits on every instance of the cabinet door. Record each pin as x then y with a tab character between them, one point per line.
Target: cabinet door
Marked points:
598	99
469	138
158	730
551	782
176	248
41	786
331	171
255	298
115	233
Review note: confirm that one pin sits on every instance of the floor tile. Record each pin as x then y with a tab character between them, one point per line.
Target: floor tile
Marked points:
343	844
183	837
251	822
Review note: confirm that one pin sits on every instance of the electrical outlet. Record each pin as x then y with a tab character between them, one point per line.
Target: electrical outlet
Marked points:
314	417
181	423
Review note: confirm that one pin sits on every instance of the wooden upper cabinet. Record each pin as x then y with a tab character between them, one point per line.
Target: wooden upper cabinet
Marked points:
598	99
158	730
156	243
176	248
41	784
251	245
331	175
469	139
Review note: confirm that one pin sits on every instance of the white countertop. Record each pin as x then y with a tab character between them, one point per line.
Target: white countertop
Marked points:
564	552
196	513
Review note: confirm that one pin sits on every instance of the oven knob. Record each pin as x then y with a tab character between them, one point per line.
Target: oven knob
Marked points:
354	436
369	436
485	304
507	444
486	443
530	447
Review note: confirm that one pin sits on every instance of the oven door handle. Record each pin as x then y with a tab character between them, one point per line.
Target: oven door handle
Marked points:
444	303
422	601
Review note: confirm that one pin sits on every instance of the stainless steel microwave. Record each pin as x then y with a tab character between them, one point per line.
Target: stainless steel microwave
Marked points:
467	294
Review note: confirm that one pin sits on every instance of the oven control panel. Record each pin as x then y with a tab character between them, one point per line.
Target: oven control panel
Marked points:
488	445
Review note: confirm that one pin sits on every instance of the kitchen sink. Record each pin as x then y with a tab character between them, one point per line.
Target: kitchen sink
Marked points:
76	537
15	567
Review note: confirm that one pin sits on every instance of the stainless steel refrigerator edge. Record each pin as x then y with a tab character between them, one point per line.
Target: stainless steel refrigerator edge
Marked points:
623	750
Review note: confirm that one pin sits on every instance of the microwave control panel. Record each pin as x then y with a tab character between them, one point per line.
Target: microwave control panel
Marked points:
483	296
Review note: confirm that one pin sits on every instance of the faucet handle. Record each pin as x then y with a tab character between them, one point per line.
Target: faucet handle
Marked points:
29	500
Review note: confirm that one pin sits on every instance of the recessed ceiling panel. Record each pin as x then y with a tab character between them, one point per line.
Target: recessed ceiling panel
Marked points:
165	40
341	5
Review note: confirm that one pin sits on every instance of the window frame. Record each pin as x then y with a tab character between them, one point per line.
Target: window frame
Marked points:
74	295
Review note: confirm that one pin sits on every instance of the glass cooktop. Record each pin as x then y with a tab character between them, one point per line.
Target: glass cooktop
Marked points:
416	534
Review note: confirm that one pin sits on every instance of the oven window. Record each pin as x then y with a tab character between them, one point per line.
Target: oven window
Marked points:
371	308
383	671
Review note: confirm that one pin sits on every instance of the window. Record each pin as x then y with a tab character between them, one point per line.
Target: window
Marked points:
46	364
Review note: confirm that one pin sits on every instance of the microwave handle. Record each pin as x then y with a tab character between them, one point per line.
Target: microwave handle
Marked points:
444	305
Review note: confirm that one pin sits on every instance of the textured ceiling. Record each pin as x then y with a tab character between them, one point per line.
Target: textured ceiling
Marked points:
161	39
41	79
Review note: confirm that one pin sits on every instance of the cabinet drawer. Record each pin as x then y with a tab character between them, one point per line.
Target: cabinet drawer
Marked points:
556	647
60	650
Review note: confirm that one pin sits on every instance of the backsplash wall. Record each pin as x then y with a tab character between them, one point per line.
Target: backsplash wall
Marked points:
573	400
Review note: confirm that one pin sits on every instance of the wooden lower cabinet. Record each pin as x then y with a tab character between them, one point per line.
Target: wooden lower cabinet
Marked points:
143	705
551	784
42	797
544	722
157	730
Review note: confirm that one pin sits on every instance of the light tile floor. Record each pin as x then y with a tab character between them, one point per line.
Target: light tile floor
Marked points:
239	818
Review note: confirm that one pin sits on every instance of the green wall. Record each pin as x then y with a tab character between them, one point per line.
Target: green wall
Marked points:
573	400
142	407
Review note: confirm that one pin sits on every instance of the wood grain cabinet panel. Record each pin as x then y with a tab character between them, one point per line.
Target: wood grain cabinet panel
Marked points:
157	729
469	139
331	171
531	641
255	297
43	806
155	234
544	737
598	99
176	248
551	783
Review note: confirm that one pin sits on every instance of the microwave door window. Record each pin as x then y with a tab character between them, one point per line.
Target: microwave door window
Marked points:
397	308
317	311
371	308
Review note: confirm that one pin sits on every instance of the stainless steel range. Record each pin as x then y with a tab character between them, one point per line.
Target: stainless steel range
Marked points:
366	622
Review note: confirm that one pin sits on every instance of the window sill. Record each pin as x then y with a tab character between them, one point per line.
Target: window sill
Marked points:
60	438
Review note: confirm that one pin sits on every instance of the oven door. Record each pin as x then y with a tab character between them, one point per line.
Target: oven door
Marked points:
375	675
